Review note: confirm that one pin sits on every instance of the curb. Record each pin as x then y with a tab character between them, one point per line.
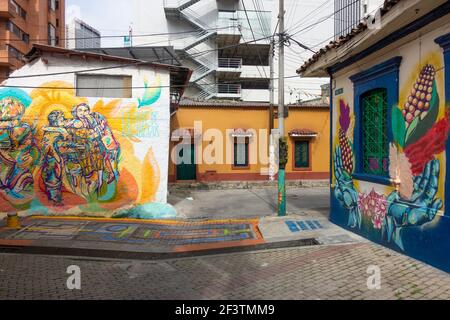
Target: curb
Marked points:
129	255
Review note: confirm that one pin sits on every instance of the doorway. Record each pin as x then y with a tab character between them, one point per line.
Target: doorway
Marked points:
186	171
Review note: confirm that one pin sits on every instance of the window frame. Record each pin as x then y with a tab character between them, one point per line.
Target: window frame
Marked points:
381	76
127	90
52	6
50	39
367	95
294	165
247	146
18	10
22	35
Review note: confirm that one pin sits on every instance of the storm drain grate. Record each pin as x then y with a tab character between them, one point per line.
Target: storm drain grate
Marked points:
306	225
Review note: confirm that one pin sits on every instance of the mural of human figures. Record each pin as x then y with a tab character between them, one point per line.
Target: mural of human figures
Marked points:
19	153
64	154
84	150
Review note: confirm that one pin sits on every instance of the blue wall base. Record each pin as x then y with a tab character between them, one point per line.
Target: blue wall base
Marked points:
429	243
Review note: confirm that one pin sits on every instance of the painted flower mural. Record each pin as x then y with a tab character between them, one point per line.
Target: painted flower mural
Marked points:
374	206
419	138
344	190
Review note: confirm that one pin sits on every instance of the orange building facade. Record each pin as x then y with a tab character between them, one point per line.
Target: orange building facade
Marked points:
24	22
239	126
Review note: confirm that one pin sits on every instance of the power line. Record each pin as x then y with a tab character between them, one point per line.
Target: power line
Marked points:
324	18
139	62
301	22
119	36
251	29
148	87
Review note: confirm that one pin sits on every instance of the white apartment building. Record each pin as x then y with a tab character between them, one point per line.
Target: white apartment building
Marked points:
216	39
80	35
349	13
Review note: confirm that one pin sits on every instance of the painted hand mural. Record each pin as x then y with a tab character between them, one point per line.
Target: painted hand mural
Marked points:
418	140
420	209
345	191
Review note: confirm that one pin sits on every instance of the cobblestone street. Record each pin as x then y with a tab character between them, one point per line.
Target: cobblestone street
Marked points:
314	272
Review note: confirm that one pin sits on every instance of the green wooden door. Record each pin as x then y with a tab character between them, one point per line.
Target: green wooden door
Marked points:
186	171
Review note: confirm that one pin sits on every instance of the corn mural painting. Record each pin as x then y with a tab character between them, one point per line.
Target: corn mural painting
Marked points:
63	154
416	158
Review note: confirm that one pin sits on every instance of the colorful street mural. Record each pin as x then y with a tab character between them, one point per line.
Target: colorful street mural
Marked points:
416	164
174	235
152	93
61	152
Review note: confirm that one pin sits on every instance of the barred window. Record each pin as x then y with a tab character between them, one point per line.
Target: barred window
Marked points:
301	154
375	146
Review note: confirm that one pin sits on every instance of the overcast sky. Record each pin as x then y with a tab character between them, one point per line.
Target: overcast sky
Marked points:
113	17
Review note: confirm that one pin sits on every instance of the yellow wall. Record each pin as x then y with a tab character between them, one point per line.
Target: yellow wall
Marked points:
223	118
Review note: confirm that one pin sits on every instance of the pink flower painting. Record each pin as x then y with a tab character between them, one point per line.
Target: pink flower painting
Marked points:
373	206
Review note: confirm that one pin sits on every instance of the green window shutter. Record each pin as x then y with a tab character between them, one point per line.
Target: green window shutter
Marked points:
375	147
240	154
301	153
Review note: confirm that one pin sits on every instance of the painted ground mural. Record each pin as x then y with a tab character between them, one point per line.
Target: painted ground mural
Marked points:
60	153
398	215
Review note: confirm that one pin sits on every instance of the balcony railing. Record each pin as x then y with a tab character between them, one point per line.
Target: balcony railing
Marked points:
229	88
173	3
233	63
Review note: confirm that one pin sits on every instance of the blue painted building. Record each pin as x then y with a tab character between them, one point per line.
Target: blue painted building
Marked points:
390	161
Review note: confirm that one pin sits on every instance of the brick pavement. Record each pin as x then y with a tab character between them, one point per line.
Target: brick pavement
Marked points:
315	272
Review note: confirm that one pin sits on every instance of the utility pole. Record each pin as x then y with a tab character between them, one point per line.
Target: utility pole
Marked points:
272	83
282	156
271	141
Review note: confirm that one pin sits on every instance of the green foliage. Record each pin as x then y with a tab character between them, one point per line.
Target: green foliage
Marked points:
398	126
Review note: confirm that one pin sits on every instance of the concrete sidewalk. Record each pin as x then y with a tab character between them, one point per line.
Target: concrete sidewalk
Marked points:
168	238
247	203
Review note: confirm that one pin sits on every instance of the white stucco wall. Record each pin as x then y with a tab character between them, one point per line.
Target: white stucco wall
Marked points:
134	151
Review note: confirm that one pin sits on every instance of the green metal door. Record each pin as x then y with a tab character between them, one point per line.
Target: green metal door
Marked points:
186	171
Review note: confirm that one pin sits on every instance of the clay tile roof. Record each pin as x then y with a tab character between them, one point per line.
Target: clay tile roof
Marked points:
186	102
303	133
181	133
239	132
387	6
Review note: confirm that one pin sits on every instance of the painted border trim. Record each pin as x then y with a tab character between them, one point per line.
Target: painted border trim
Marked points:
444	42
377	71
